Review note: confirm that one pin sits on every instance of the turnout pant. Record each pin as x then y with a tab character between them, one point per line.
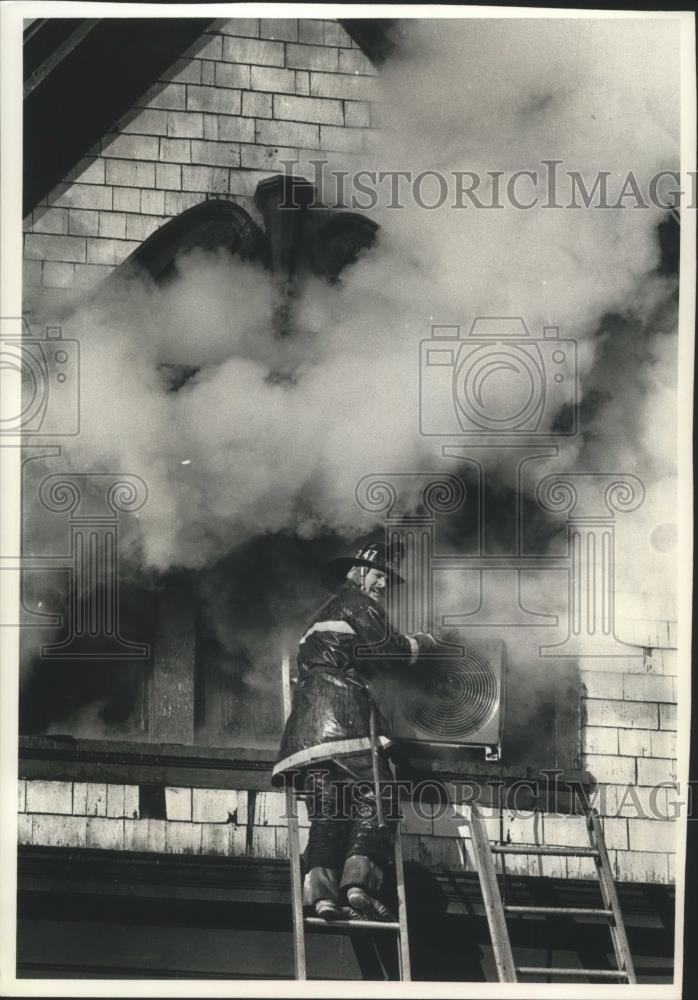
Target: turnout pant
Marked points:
346	846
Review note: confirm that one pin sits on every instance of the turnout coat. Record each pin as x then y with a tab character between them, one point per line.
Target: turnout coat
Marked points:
330	711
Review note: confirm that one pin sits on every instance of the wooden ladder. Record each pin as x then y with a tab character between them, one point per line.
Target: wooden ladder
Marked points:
496	911
301	923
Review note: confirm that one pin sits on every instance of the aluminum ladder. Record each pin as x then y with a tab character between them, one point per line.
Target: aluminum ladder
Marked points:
301	923
496	911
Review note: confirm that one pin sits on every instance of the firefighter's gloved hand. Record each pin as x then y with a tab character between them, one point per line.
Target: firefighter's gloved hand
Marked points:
427	642
421	643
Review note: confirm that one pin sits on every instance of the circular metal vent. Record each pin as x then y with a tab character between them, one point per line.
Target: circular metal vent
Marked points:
451	698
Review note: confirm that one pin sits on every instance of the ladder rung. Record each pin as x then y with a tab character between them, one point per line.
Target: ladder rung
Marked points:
352	925
569	911
542	970
568	852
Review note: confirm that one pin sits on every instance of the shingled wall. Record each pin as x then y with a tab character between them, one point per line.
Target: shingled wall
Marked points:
628	742
249	94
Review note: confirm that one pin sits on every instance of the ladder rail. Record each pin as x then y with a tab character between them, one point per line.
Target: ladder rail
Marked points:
299	962
300	922
551	971
294	850
561	911
544	851
494	908
484	852
609	894
403	938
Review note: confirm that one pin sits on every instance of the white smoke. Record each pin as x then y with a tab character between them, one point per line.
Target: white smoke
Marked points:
265	453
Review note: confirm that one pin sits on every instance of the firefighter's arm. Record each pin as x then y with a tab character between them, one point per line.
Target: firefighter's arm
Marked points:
413	646
370	624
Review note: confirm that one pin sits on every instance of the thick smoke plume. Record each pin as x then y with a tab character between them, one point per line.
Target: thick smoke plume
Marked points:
272	434
268	454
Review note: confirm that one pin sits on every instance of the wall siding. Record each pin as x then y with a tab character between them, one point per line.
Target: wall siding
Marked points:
248	94
635	769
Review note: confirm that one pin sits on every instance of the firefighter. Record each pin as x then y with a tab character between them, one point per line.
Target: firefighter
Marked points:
326	742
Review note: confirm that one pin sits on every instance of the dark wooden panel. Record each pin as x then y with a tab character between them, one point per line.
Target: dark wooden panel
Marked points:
66	759
61	758
171	684
374	37
154	899
265	881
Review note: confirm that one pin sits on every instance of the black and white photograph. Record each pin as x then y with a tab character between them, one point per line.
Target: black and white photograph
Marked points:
347	363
